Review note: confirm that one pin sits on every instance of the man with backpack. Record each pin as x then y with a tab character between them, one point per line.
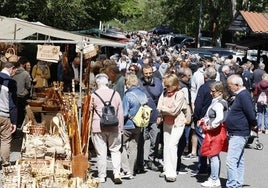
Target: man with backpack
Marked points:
106	128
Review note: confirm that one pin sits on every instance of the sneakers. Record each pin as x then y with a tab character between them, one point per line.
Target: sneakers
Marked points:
126	175
139	171
198	173
153	166
182	171
162	175
190	156
117	179
170	179
100	180
211	183
266	131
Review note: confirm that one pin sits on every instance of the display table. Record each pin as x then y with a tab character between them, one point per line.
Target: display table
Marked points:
43	117
47	160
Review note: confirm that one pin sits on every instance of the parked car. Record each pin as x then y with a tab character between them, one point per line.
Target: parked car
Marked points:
190	42
159	30
175	39
211	51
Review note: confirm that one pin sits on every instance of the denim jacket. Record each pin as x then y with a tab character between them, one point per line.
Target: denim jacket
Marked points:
131	105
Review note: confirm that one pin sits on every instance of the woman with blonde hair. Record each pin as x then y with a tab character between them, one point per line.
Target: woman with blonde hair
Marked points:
132	101
41	74
171	106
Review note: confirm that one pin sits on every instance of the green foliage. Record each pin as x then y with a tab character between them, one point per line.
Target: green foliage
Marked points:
130	15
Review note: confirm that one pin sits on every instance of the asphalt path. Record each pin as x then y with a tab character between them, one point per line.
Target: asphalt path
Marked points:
256	168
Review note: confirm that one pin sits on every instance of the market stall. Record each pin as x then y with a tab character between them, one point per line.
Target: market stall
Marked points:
54	153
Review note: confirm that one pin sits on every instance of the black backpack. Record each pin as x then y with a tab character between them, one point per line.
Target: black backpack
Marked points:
109	116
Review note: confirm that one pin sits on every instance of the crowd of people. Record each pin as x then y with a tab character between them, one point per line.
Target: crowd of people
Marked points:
217	91
201	106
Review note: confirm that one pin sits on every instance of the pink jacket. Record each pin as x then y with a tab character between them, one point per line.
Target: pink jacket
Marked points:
174	107
105	94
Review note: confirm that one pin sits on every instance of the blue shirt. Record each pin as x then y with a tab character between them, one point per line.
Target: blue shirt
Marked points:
203	100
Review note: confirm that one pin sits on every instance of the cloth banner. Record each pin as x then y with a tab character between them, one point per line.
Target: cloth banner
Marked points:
89	50
49	53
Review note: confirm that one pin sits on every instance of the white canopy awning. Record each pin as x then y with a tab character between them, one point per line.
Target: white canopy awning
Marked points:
14	29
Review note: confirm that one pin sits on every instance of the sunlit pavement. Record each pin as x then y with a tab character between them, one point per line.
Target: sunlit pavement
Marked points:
256	169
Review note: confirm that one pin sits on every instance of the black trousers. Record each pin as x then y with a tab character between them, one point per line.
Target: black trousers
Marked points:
21	104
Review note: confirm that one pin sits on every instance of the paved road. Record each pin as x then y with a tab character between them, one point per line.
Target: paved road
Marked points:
255	174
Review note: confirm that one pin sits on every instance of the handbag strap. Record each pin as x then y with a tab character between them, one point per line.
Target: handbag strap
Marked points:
136	97
11	50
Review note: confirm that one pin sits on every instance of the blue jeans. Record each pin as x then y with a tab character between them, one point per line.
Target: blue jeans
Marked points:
262	112
202	165
235	161
215	166
187	130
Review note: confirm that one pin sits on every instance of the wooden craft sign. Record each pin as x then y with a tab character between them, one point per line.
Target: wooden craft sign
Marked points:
89	50
48	53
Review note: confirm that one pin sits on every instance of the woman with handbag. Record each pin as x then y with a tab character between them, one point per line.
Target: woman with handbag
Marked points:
132	100
214	129
171	106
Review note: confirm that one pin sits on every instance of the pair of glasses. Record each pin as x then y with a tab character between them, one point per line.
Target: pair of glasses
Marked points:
213	91
131	70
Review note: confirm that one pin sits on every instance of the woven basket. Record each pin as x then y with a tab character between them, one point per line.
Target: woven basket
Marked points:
10	52
37	129
35	103
13	59
51	108
41	95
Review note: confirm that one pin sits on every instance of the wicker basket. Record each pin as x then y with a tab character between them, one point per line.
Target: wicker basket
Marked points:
41	95
37	129
35	103
51	108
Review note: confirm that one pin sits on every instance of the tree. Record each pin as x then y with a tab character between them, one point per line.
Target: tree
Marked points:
182	16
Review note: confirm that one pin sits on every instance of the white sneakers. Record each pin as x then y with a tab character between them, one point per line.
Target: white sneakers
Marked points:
211	183
126	175
100	180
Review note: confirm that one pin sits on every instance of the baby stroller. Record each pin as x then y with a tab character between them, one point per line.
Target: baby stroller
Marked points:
258	144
